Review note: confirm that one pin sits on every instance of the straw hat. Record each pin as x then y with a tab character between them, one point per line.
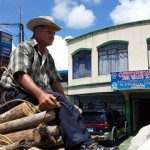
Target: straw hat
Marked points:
42	20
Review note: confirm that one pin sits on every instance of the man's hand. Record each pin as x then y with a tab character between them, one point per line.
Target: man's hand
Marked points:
47	101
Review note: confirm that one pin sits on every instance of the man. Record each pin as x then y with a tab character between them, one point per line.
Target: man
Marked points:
33	69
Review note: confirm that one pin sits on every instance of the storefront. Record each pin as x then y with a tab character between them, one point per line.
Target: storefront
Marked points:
140	110
99	101
135	86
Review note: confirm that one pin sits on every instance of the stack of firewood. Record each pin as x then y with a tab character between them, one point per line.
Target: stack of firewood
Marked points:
26	128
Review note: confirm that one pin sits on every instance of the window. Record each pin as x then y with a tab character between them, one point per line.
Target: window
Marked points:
148	47
82	64
112	58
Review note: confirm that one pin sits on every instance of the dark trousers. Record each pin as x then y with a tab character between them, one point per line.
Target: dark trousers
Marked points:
72	129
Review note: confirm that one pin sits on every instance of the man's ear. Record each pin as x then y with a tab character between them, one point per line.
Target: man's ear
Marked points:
37	31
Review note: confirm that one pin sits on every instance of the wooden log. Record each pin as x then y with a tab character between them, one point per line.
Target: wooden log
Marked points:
29	143
46	143
23	135
52	130
51	139
27	122
19	145
22	110
14	146
49	131
26	144
34	148
35	133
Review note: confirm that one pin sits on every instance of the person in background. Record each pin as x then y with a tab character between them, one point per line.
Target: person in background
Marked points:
33	72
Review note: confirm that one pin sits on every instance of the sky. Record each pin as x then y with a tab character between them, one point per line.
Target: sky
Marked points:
76	17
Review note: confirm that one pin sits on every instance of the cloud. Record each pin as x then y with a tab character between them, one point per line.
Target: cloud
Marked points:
130	10
74	15
92	1
59	52
80	18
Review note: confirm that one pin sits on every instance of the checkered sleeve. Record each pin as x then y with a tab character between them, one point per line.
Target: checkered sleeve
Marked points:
21	59
53	74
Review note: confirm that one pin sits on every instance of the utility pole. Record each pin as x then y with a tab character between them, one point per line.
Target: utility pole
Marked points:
21	30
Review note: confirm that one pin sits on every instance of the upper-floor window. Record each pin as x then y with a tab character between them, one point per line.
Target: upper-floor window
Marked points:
113	57
148	47
82	64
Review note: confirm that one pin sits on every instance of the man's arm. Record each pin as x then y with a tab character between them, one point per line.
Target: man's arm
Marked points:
57	87
46	101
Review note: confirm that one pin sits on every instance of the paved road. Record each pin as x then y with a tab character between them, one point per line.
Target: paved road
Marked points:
125	144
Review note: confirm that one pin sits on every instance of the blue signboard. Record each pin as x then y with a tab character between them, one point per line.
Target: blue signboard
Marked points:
130	80
5	44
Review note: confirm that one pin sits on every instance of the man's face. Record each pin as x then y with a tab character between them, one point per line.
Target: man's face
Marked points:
45	35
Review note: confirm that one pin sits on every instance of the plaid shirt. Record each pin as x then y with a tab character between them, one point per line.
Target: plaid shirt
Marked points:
26	58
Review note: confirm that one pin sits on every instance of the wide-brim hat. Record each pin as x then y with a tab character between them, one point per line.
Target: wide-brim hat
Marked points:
42	20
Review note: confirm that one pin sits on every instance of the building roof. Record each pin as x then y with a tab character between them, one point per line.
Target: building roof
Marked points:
111	28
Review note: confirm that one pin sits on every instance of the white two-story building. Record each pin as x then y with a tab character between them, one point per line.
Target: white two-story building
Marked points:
94	59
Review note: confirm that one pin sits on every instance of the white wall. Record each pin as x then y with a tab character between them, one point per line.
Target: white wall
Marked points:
136	34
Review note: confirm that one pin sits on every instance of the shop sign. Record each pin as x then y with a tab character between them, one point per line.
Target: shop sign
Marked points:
130	80
5	44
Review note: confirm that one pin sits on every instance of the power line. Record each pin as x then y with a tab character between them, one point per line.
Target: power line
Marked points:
21	29
8	32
